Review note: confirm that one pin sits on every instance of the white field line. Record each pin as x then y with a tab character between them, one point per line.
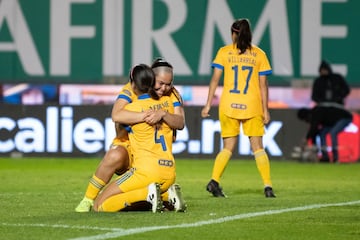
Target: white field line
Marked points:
132	231
60	226
119	232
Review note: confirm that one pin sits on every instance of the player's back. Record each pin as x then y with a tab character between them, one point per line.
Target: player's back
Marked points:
241	96
151	145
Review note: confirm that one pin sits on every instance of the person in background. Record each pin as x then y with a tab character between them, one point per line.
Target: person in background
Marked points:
1	93
323	120
118	158
329	89
244	100
31	94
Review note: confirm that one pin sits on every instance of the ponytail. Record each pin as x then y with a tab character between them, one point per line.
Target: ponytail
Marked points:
241	28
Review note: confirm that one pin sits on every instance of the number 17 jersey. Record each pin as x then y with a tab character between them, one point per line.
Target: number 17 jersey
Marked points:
241	96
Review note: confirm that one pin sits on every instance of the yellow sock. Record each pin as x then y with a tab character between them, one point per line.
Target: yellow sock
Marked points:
120	201
94	187
263	165
221	161
165	196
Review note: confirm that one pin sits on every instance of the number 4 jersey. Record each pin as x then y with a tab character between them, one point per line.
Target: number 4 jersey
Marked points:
152	145
241	97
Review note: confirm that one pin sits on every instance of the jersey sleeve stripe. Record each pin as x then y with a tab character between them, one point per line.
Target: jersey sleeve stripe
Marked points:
124	97
216	65
268	72
177	104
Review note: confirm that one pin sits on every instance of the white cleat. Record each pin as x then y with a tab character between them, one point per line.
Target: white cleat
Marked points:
154	197
176	199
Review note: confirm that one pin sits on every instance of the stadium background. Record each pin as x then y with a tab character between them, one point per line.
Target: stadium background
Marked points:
62	63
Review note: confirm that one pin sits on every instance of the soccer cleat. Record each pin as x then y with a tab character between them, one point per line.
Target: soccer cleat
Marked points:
214	188
268	191
154	197
85	205
176	199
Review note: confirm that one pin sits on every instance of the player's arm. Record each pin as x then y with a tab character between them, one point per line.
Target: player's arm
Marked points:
264	91
175	120
214	82
121	115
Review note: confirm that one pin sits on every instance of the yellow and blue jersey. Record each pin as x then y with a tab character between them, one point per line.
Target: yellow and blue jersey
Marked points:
241	97
127	93
151	145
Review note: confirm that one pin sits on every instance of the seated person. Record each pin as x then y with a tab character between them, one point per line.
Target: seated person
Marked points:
324	120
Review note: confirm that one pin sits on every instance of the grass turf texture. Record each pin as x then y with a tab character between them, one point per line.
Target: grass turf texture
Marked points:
38	197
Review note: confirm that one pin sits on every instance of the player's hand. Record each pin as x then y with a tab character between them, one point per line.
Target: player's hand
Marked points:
266	117
153	117
205	112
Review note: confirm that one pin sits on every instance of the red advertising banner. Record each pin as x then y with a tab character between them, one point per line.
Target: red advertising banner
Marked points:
348	141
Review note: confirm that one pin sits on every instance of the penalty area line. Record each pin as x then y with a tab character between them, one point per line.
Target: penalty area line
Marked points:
132	231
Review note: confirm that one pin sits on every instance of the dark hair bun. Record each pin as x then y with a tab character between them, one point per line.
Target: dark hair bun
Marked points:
161	62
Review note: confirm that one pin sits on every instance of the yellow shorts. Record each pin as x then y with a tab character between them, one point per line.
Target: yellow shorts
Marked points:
230	127
133	179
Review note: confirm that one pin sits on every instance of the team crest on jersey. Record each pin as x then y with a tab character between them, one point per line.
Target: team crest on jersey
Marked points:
127	92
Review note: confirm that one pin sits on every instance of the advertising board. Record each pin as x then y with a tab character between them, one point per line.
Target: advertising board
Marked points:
95	41
49	130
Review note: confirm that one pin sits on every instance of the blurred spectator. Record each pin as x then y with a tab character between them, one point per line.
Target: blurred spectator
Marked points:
324	120
31	94
329	88
1	93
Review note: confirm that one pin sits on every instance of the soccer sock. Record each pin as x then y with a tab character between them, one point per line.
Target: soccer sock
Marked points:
94	187
263	165
165	196
221	161
120	201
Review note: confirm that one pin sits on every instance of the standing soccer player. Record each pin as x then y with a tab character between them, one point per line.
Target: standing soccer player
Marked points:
244	100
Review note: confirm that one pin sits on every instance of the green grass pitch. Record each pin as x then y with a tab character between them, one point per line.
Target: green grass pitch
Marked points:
314	201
